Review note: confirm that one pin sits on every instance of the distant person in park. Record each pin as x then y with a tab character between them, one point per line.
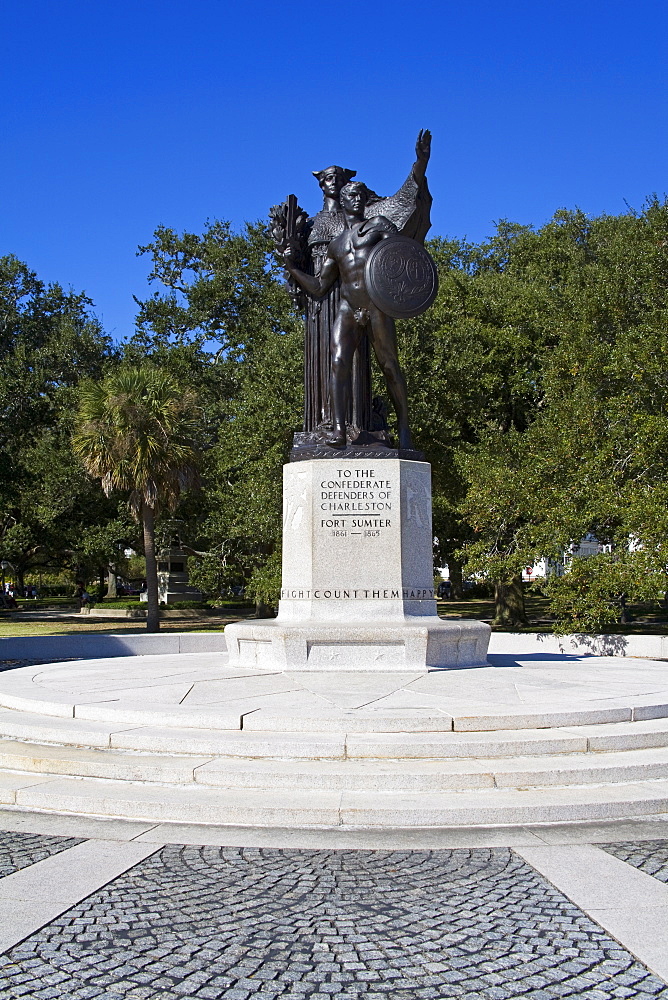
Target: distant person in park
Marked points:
346	258
82	595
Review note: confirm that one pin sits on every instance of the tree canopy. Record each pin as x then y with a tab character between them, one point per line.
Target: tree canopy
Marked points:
49	341
538	386
137	432
584	450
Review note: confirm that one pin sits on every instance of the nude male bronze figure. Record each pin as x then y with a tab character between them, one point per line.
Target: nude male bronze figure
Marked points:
409	210
357	315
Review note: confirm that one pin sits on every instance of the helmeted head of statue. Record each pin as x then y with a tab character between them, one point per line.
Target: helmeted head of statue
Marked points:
332	179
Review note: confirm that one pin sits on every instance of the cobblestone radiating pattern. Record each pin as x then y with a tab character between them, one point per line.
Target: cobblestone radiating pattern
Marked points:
19	850
205	923
651	856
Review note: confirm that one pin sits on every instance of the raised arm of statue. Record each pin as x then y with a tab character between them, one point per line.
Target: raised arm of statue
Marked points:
410	207
422	154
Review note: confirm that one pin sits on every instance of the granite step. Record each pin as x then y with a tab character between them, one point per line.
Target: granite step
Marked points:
360	774
43	729
425	721
409	746
580	739
85	762
38	728
437	775
331	808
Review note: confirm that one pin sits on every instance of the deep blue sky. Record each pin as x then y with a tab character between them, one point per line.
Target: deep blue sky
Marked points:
117	117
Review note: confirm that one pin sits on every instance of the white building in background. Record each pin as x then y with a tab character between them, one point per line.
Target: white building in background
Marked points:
587	546
543	568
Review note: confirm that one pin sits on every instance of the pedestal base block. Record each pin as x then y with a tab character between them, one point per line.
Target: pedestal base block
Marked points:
358	580
417	644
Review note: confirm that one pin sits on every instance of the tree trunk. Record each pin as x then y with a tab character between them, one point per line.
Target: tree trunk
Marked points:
456	580
624	614
111	582
153	616
509	602
100	584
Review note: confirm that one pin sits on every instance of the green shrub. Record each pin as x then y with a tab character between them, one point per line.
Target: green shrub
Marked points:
264	585
57	590
186	606
120	602
231	604
482	590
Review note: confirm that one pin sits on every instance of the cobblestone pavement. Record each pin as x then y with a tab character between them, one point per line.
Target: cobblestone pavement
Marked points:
651	856
15	664
19	850
202	923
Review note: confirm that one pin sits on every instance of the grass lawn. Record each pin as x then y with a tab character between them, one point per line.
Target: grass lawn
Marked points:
49	604
646	619
483	610
117	626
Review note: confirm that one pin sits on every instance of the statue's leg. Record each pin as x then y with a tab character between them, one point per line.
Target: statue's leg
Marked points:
345	335
384	340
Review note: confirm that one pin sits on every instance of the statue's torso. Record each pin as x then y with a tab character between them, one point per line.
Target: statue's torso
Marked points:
350	258
350	249
351	246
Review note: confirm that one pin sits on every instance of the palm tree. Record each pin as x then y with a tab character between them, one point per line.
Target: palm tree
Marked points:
136	431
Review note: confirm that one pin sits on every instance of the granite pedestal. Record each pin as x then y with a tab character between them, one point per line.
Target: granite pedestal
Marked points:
357	583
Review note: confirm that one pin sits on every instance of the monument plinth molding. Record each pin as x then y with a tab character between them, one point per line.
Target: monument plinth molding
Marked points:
357	582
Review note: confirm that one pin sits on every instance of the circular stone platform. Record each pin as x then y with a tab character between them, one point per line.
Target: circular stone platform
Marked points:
527	739
203	691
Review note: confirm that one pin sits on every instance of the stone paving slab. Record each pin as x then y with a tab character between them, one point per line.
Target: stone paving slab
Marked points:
203	923
650	856
630	905
20	850
34	896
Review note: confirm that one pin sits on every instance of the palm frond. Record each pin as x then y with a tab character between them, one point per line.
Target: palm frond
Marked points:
137	432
